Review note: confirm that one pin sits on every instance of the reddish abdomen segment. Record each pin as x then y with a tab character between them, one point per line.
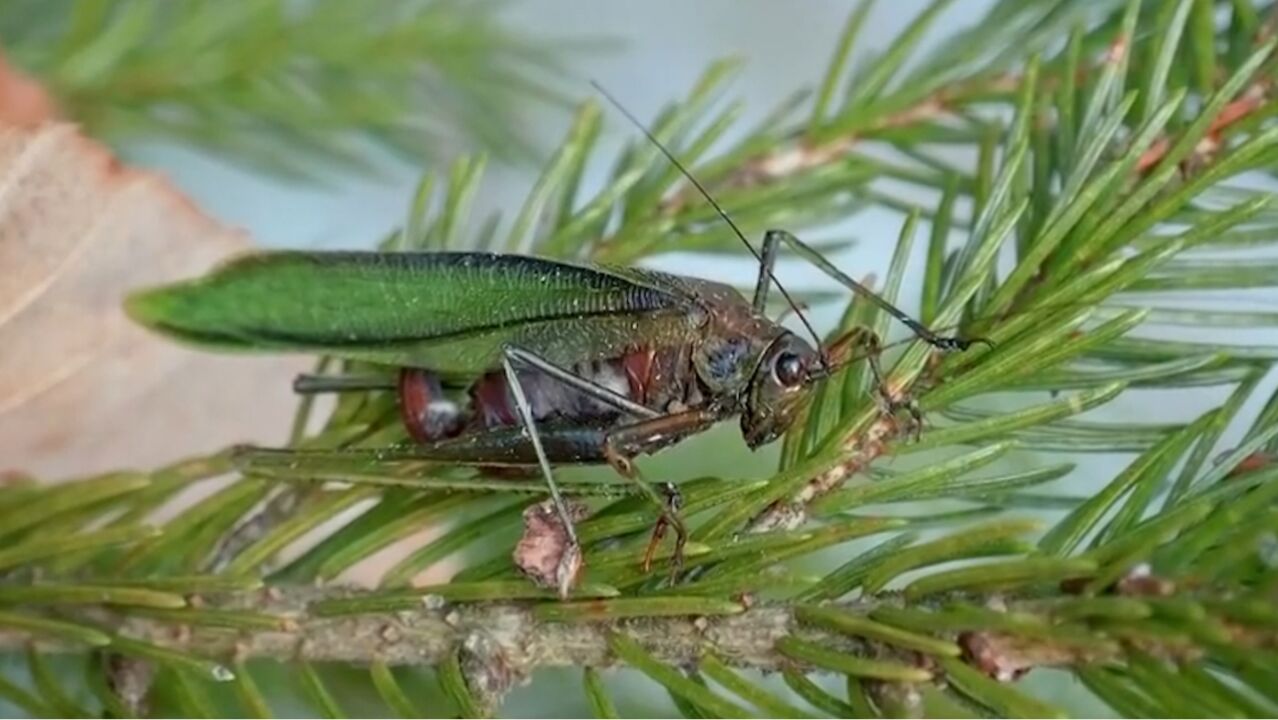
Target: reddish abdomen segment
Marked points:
429	416
628	376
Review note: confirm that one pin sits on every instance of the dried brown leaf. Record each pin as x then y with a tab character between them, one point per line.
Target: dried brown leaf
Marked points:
23	102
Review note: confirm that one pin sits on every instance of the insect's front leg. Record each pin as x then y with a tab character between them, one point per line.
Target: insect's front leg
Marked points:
889	403
773	239
767	262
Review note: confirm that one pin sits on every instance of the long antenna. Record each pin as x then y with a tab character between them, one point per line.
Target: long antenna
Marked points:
717	208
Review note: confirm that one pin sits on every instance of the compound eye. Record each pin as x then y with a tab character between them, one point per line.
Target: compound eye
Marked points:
789	369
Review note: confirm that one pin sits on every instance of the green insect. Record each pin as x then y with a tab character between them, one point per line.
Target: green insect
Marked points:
516	360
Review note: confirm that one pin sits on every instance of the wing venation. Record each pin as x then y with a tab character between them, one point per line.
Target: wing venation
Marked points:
401	308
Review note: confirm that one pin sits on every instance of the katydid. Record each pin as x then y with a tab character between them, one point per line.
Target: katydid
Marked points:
560	362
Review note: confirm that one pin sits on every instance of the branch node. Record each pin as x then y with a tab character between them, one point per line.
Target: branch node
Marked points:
487	672
130	679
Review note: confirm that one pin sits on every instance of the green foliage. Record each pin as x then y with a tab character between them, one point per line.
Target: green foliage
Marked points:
1112	148
289	87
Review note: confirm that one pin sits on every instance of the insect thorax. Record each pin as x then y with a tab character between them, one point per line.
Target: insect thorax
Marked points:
728	355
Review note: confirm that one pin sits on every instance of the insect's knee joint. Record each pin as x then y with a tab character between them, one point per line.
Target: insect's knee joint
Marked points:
622	464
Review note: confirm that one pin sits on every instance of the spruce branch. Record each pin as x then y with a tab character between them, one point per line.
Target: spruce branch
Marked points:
1104	168
502	643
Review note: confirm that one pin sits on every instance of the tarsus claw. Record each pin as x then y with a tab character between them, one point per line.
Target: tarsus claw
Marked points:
669	519
570	565
949	344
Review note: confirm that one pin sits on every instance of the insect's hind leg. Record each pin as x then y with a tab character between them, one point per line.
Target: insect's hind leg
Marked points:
571	561
312	384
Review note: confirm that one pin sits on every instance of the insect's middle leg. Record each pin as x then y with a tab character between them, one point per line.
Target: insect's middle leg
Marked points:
669	507
571	561
624	442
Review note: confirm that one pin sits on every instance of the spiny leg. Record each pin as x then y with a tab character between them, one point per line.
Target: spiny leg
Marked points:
571	561
651	425
767	263
773	238
670	517
669	506
646	436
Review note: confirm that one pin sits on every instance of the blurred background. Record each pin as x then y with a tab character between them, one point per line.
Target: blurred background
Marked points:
645	54
505	84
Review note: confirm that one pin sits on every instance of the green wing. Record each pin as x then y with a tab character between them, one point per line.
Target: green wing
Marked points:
450	312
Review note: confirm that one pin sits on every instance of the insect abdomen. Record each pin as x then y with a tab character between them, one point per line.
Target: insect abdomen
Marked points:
427	414
659	379
494	405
